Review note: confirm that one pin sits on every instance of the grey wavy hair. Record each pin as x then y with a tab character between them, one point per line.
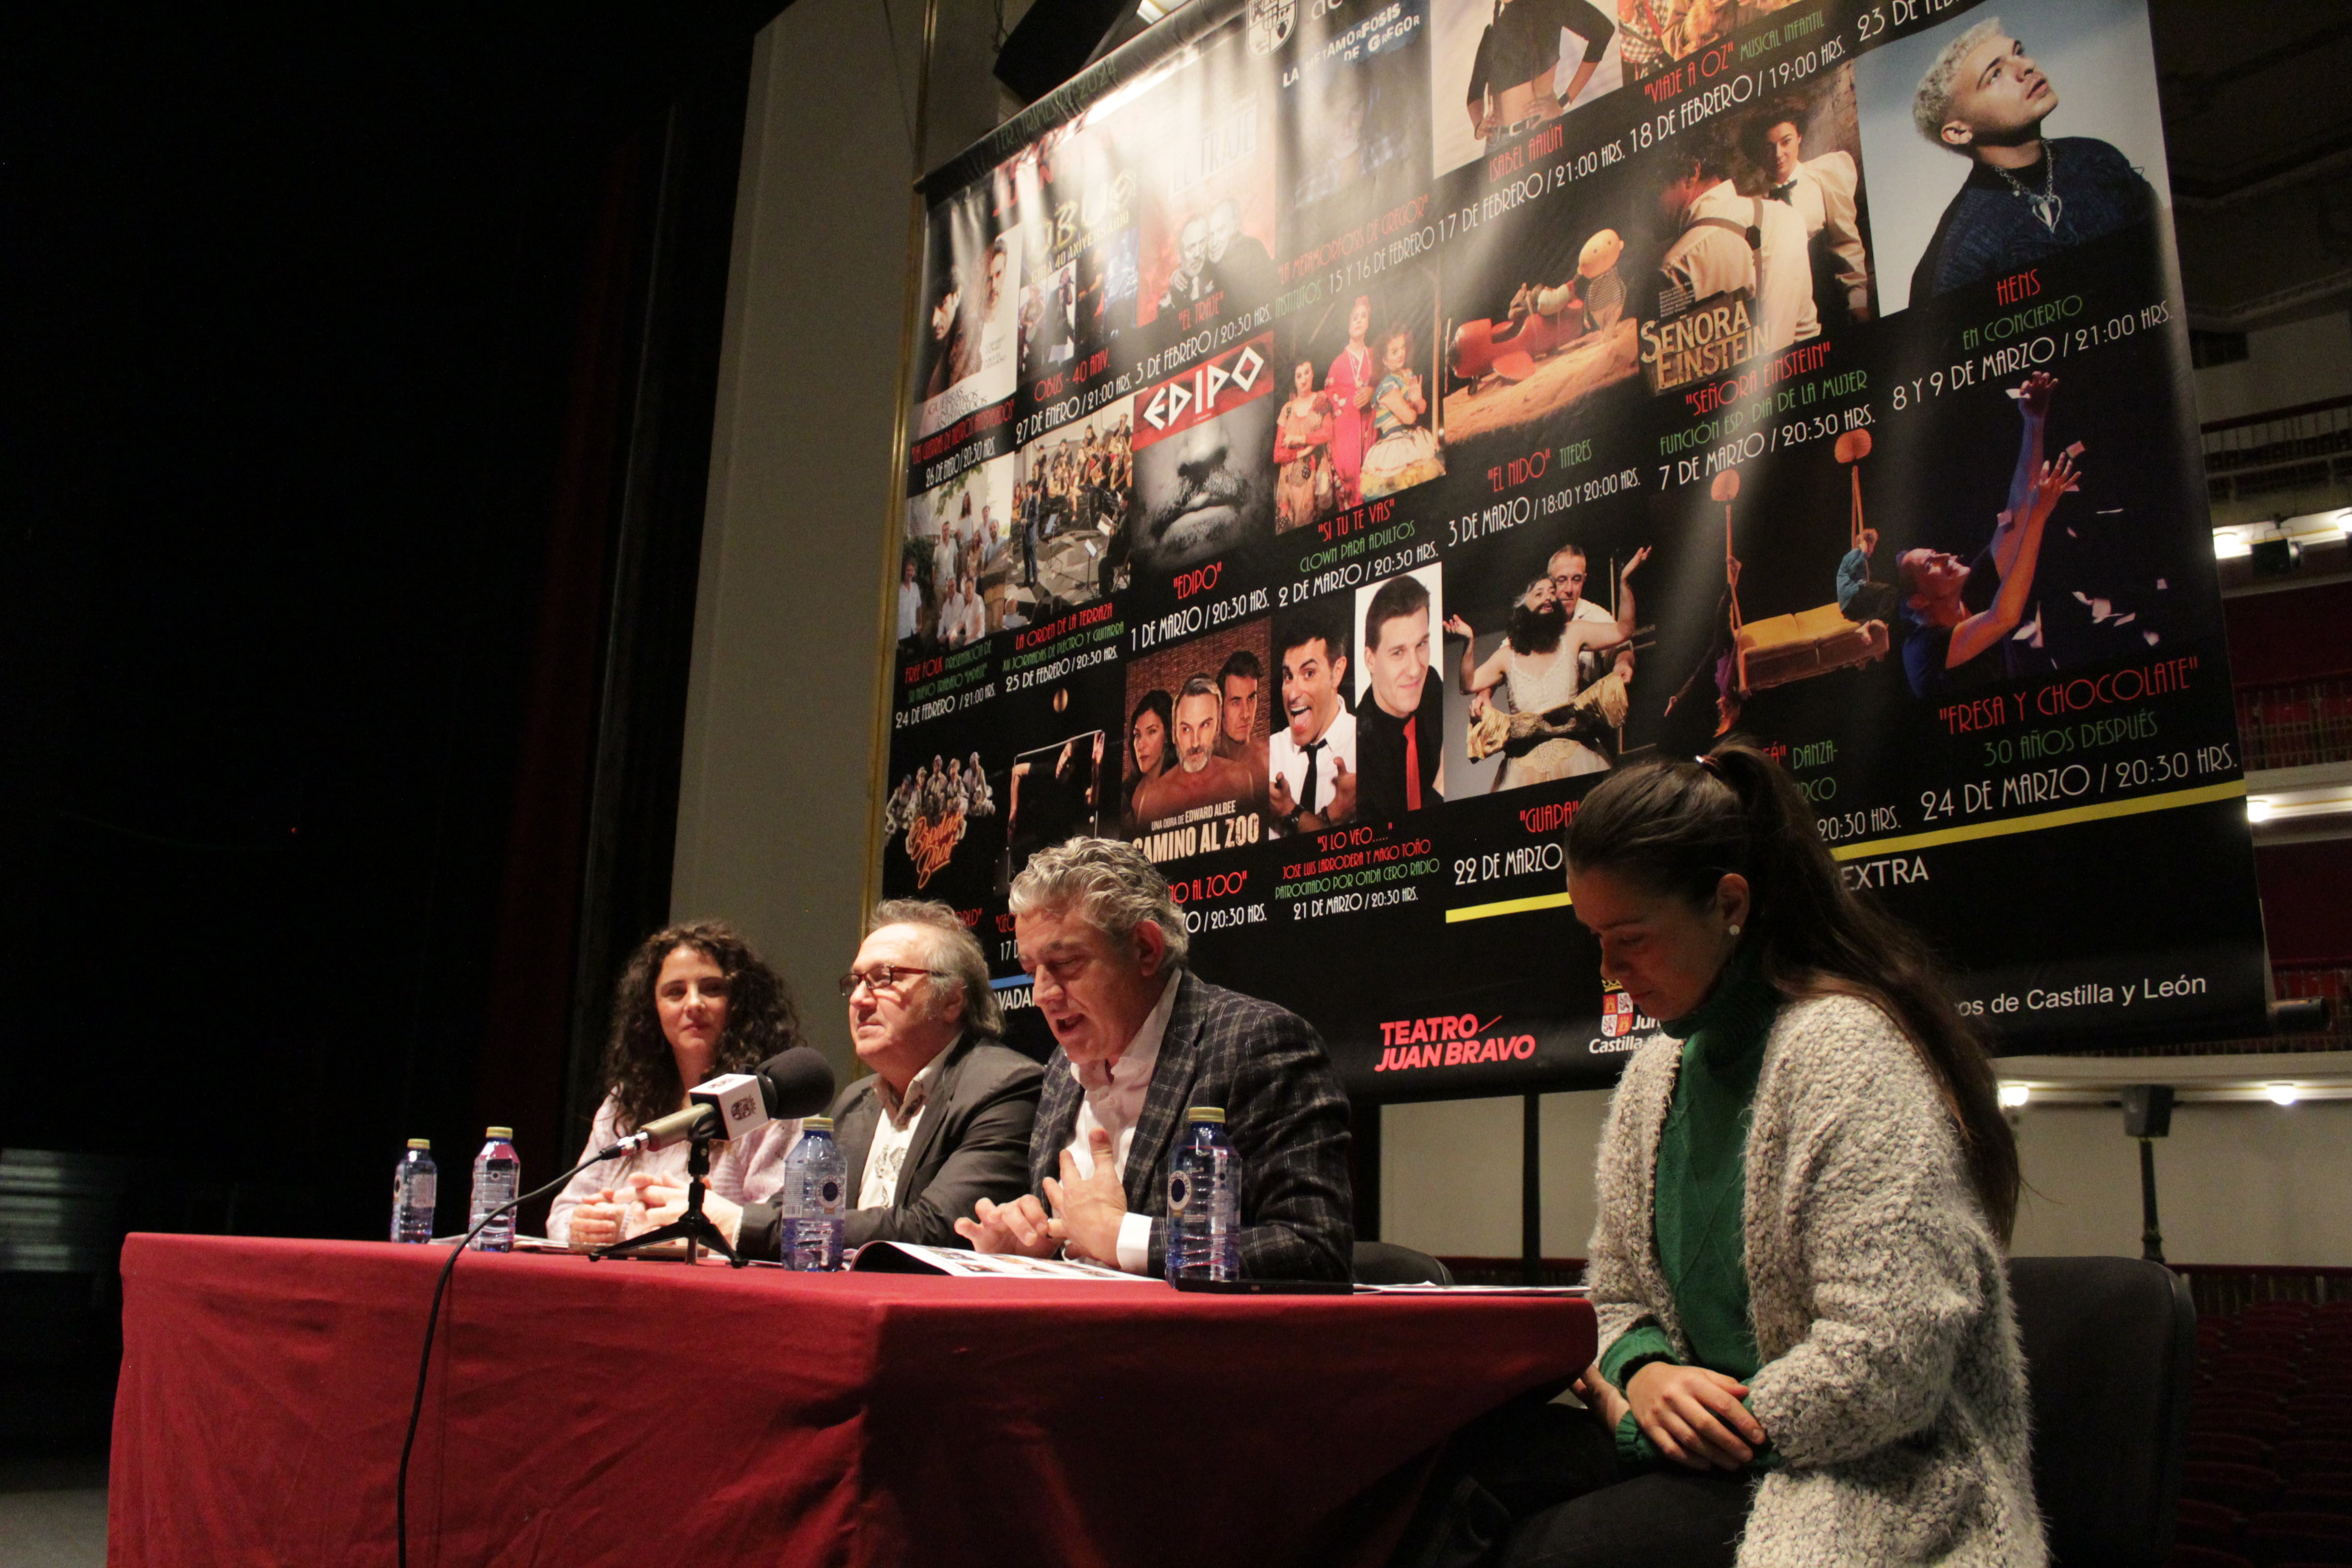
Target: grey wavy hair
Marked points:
1932	104
955	956
1111	885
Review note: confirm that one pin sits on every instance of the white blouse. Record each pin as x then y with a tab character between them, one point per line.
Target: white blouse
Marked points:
745	1170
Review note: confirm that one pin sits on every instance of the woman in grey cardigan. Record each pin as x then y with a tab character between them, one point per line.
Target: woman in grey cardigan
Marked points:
1806	1188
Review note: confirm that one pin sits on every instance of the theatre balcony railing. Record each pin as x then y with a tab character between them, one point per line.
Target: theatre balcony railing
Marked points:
2284	461
2296	723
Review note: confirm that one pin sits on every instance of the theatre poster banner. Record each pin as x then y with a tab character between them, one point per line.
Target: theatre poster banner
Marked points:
1342	431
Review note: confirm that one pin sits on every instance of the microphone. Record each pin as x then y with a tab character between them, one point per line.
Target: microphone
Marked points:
793	1083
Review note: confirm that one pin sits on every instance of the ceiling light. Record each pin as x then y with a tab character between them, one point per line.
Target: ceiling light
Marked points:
2013	1095
2258	808
2229	543
2284	1093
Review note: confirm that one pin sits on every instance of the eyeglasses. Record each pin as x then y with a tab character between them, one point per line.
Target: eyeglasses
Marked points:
882	977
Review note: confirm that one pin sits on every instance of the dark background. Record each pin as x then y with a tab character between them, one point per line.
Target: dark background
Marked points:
362	377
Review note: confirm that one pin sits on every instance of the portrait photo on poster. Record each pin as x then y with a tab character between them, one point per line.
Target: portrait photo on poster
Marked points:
1398	696
1204	460
1075	203
1195	764
2006	136
1069	510
1354	126
955	570
966	348
1539	672
1203	151
1504	71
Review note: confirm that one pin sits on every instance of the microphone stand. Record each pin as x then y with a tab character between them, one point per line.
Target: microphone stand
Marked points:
693	1226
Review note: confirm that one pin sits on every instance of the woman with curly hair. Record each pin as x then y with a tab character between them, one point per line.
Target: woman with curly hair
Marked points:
694	1002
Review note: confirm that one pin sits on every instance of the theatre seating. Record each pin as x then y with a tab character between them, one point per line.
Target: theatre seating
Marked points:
2110	1348
2268	1477
1386	1263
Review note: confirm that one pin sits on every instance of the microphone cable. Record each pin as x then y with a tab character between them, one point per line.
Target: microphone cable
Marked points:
433	1322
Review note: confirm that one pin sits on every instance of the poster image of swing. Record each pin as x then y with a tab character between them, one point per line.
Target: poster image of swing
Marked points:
1204	460
1194	766
1504	70
1356	373
1541	321
2007	136
1540	672
936	826
1355	110
1201	145
1072	502
955	558
1054	793
966	354
1076	200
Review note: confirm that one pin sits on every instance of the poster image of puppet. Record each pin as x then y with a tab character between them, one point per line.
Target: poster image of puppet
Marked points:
1194	766
1399	697
1540	656
1356	372
966	354
1541	321
1204	458
2000	141
1068	516
1655	37
1355	111
1503	70
1077	202
933	812
953	563
1202	144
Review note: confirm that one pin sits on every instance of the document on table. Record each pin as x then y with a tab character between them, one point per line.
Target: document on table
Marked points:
911	1257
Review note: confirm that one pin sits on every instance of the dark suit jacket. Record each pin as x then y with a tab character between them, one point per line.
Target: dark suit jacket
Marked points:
1284	1110
970	1145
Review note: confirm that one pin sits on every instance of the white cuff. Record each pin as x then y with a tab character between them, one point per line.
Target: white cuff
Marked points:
1135	1243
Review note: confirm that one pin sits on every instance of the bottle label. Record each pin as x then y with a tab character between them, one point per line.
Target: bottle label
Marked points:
422	1191
1180	1192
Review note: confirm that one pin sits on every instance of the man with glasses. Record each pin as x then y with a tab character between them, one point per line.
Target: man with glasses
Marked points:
1142	1040
943	1120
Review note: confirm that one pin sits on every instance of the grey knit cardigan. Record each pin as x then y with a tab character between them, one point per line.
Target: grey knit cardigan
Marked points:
1892	1383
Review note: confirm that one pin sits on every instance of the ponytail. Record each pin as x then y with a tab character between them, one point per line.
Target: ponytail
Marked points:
1679	828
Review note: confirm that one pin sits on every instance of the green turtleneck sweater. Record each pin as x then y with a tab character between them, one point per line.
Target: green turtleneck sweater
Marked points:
1700	1195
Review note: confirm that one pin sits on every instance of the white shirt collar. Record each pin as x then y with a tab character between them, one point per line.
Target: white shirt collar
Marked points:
899	1107
1134	1064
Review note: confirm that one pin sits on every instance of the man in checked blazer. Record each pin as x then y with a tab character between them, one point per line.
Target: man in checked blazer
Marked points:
1141	1038
942	1124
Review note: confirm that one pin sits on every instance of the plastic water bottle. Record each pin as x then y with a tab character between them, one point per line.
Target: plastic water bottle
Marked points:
1204	1200
498	1178
816	1191
413	1183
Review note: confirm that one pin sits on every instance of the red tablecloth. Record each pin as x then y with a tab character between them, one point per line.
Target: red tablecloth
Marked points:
647	1413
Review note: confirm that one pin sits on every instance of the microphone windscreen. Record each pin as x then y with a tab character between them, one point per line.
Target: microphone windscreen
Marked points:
798	1082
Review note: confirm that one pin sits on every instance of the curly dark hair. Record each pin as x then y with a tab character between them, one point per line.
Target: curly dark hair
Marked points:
761	1019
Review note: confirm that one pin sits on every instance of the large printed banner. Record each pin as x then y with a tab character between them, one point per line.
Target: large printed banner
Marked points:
1343	433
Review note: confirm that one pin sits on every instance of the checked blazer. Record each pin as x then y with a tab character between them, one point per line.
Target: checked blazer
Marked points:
1285	1112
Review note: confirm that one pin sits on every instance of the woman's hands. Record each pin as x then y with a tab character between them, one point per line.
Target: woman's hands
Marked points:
1601	1396
1694	1415
597	1222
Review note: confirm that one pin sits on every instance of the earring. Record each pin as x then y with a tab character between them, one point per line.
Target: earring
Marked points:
1735	931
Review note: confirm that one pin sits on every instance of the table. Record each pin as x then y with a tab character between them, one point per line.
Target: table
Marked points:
584	1412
